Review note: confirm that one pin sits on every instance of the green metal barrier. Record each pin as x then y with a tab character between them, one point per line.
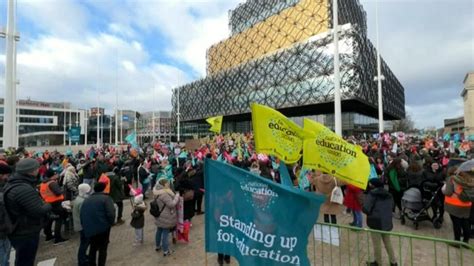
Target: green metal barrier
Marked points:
354	246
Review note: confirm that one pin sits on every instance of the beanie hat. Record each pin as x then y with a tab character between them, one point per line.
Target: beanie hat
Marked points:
99	187
4	169
50	173
467	166
84	189
138	199
26	166
376	182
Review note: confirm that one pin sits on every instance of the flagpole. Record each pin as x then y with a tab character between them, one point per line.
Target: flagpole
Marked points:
153	116
178	116
9	113
116	99
379	76
98	116
121	126
86	127
337	81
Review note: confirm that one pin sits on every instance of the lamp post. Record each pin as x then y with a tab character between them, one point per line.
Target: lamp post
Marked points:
98	116
178	116
86	121
337	81
10	131
110	132
70	125
121	126
379	78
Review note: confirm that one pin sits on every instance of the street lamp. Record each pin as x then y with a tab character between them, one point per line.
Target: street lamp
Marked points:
337	81
379	78
10	131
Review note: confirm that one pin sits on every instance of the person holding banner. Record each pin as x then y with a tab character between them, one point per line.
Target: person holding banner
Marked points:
325	184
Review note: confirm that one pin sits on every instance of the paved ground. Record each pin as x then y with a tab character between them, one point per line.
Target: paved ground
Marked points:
353	249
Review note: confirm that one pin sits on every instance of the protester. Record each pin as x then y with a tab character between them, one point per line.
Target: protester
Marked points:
52	193
116	193
26	209
324	184
167	201
70	183
459	195
378	208
5	245
138	218
353	201
84	190
97	217
414	174
198	182
144	176
397	182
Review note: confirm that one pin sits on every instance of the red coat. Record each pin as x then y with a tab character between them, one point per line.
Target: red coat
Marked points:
352	196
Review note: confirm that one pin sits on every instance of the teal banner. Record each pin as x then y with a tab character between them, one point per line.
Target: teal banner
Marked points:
75	134
255	220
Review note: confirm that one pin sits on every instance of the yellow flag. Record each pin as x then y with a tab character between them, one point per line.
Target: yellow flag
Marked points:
275	134
216	123
330	153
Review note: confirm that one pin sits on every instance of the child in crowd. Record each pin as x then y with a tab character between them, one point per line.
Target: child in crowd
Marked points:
138	218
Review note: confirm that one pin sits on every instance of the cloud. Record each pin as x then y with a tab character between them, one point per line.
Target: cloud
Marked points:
54	69
63	18
429	45
188	28
430	114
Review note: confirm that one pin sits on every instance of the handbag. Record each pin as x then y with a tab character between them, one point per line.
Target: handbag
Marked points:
188	195
336	194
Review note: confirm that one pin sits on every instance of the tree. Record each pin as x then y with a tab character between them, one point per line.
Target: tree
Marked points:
405	125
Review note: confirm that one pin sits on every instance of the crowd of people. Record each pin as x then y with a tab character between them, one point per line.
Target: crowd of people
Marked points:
84	192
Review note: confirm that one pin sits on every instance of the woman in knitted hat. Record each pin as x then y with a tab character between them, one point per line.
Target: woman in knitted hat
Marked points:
138	218
84	190
167	201
459	196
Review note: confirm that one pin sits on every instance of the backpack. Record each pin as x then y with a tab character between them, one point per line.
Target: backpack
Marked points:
155	208
6	225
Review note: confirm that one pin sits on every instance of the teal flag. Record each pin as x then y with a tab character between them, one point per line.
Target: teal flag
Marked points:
447	137
132	139
247	217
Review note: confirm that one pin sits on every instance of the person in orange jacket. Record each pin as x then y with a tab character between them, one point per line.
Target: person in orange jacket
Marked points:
52	193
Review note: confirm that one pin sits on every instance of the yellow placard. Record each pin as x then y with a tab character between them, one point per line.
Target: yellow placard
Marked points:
329	153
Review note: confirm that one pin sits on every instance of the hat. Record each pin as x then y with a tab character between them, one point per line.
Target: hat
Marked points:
26	166
467	166
4	169
84	189
50	173
376	182
138	199
99	187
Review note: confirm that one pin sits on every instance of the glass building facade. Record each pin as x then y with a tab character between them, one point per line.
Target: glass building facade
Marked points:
281	54
43	123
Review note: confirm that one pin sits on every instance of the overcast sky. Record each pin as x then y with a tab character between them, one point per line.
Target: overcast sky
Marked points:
73	50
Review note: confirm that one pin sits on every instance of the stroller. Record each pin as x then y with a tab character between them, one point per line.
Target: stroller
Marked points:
417	201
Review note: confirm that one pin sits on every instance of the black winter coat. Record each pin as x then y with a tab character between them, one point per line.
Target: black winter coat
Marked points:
378	207
25	206
97	214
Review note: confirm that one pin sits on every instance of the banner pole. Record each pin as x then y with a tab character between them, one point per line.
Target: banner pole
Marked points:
205	258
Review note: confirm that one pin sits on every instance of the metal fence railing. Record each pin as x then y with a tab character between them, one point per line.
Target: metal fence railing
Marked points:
334	244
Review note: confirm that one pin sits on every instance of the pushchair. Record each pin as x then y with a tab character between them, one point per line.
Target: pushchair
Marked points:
417	202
